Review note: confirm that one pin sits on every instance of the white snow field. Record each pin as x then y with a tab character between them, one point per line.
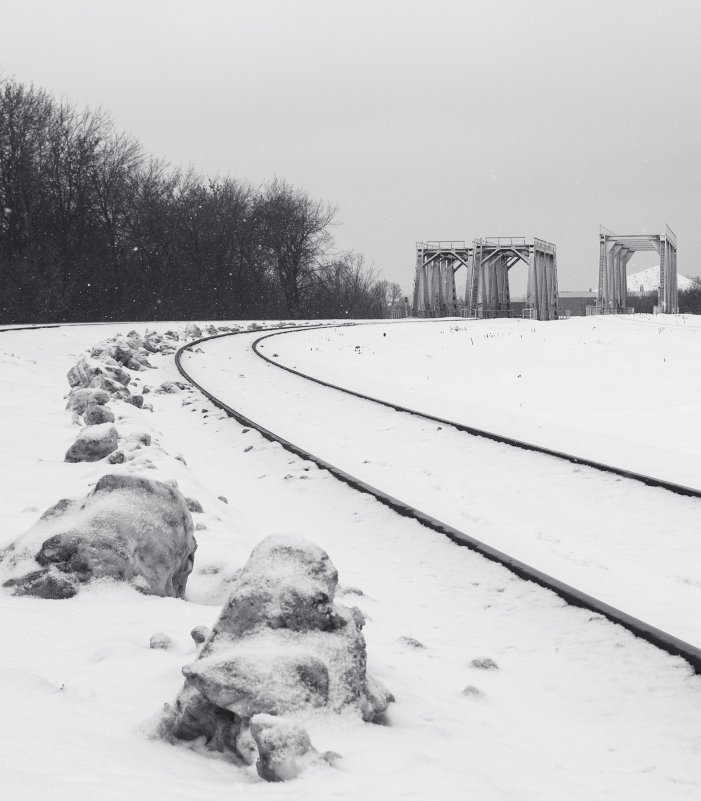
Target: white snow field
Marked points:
568	384
578	708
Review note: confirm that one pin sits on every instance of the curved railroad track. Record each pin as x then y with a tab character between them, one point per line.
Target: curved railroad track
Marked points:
661	639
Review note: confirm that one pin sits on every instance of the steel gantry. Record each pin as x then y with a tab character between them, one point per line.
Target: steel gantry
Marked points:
487	262
615	251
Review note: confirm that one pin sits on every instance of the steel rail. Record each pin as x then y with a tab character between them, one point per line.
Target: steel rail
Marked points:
574	597
650	481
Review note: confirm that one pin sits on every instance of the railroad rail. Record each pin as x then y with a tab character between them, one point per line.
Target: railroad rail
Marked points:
650	481
573	596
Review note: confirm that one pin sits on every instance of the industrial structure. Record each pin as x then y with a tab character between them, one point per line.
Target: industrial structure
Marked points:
487	262
615	251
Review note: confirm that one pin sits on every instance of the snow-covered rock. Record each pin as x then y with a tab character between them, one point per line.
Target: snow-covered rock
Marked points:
284	748
160	642
79	399
193	331
193	505
113	388
86	369
199	634
94	443
281	646
96	414
127	528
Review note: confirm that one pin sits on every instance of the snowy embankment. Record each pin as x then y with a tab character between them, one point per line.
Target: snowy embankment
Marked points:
568	707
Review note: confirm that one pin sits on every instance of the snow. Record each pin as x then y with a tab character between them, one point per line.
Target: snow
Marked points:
567	384
577	709
649	280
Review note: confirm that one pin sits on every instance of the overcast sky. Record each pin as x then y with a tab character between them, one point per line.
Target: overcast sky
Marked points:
438	119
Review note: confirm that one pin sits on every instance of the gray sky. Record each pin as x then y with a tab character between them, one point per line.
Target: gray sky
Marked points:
437	119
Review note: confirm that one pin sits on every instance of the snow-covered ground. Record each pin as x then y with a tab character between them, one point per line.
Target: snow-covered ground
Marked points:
577	709
617	540
649	280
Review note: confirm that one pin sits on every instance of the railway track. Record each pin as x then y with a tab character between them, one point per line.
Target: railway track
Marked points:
661	639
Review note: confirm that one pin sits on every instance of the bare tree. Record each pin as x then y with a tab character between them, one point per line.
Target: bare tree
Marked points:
296	236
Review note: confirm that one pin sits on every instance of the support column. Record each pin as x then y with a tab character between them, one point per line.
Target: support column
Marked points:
417	306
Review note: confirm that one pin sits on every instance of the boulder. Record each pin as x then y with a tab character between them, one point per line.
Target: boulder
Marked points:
113	388
135	339
199	634
193	331
171	387
95	414
94	443
136	400
138	438
193	505
85	370
116	457
127	528
281	646
153	343
284	748
160	641
265	675
79	399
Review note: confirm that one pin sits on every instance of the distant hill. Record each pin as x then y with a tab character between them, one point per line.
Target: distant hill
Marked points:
649	280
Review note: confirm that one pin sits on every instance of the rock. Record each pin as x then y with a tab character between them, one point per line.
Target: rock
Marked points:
136	400
160	641
139	438
211	330
153	343
284	748
111	387
145	390
116	457
193	331
200	526
79	399
181	458
484	663
199	634
171	387
281	646
99	397
261	677
85	370
93	443
135	339
50	584
127	528
193	505
411	642
95	415
222	498
472	692
59	508
142	360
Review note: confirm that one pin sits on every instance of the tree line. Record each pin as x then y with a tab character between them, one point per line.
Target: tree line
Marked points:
94	228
